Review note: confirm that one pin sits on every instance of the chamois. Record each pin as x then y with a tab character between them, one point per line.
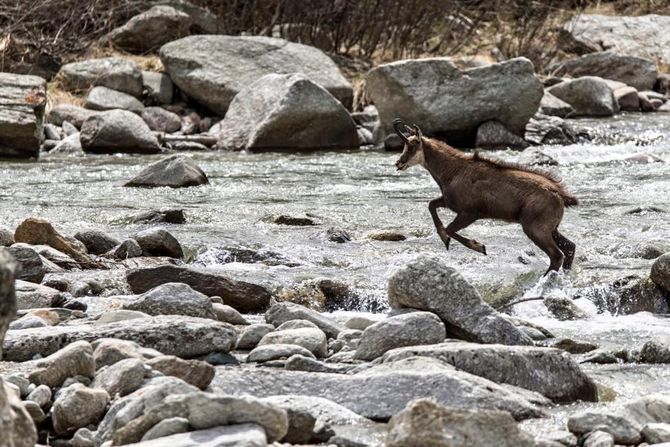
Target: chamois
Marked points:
477	187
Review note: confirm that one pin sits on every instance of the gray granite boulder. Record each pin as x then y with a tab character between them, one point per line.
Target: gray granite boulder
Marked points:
112	72
117	131
150	29
588	95
103	98
22	103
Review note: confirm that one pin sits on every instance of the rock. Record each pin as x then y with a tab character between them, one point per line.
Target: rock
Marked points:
623	35
632	294
113	316
412	329
41	395
660	272
194	372
655	433
243	296
337	235
550	372
158	87
30	262
163	215
37	231
296	324
252	334
167	427
386	235
427	283
161	120
380	391
599	439
228	315
175	171
27	322
22	103
298	362
426	423
312	339
172	299
103	98
35	412
20	381
204	21
283	312
494	135
588	95
247	435
6	237
552	106
286	112
297	221
117	131
75	359
574	347
645	103
277	351
170	334
34	296
70	145
620	428
159	242
110	351
205	410
111	72
69	113
52	132
78	406
96	242
228	64
445	100
359	322
564	309
655	351
636	72
150	29
543	129
628	99
121	378
599	356
127	249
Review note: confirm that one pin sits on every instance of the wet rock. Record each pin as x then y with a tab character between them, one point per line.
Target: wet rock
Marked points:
159	242
117	131
655	351
656	433
96	241
69	113
103	98
543	129
621	428
228	64
158	87
426	423
36	231
22	104
163	215
637	72
121	378
381	391
337	235
167	427
312	339
175	171
574	346
252	334
172	299
588	95
599	439
507	92
228	315
78	406
194	372
386	235
76	359
628	99
412	329
660	272
283	312
427	283
32	268
550	372
599	356
6	237
277	351
286	112
494	135
552	106
111	72
631	294
161	120
563	308
243	296
170	334
127	249
298	221
150	29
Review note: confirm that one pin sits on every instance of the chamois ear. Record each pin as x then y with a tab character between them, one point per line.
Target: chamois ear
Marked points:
417	132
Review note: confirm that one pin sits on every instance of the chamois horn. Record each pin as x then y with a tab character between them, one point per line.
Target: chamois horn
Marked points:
397	126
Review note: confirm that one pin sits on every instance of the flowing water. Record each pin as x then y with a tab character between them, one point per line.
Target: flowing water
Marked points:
361	192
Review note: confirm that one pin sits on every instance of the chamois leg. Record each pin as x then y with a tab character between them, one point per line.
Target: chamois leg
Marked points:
461	221
544	240
566	246
433	205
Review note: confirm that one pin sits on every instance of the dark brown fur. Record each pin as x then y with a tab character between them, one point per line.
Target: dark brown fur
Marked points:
478	187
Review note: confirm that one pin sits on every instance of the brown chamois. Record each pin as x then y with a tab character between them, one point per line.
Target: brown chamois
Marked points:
476	187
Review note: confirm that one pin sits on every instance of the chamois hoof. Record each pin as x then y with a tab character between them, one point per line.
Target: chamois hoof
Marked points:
476	246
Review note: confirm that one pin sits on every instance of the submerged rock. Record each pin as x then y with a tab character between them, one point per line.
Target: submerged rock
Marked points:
175	171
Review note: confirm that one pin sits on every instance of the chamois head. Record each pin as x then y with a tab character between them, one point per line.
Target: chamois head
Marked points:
412	153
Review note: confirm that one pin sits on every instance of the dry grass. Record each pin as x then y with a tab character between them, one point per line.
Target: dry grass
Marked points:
56	94
149	62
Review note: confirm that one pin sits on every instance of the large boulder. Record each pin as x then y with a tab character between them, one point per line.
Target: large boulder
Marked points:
103	98
213	69
383	390
634	71
149	30
117	131
426	423
287	112
626	35
172	299
427	283
22	102
551	372
36	231
175	171
243	296
588	95
112	72
446	101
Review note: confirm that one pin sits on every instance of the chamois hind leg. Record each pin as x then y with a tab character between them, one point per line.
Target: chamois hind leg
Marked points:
544	240
461	221
566	246
433	205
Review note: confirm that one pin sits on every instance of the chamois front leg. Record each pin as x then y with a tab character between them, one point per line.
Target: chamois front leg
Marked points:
461	221
433	205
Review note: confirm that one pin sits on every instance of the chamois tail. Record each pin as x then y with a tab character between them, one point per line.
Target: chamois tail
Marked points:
568	199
